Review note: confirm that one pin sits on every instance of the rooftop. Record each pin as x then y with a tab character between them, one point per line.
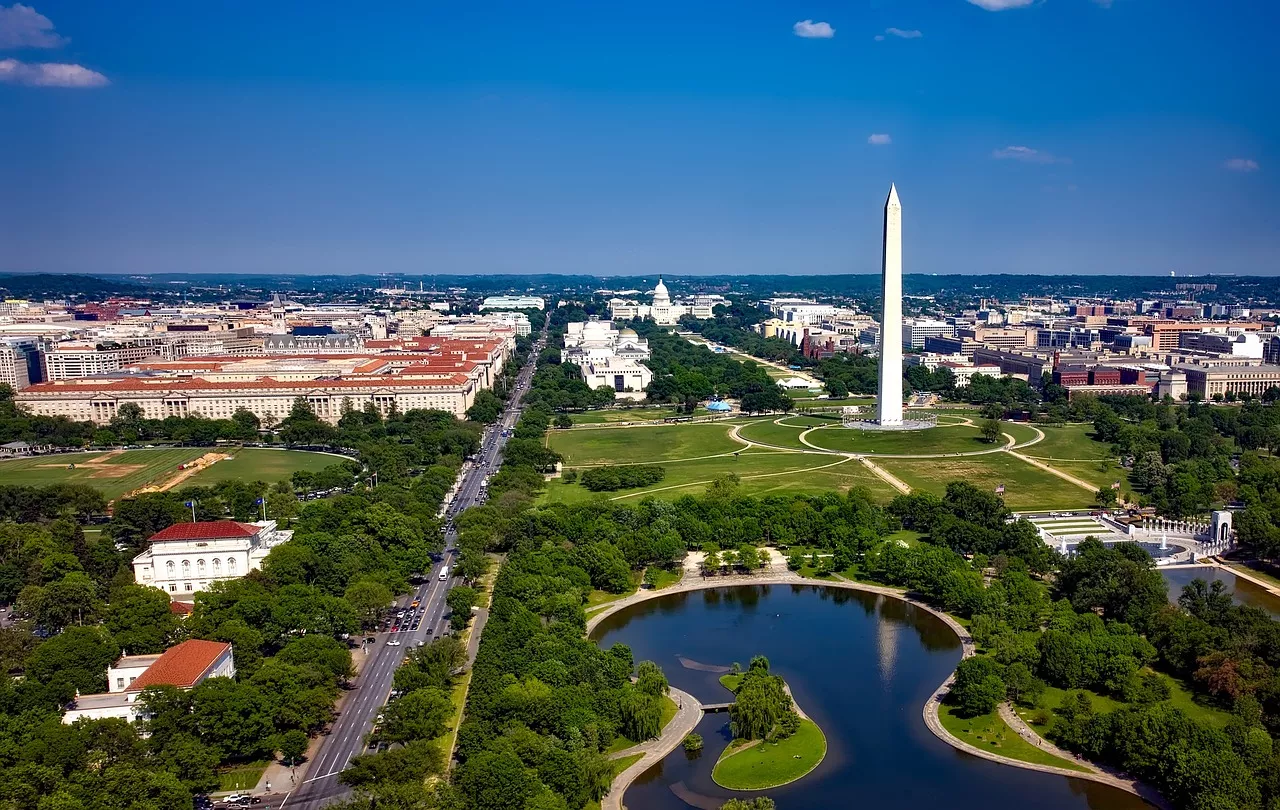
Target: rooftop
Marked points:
182	666
208	530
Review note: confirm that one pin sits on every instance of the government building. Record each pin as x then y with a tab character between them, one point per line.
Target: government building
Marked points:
663	311
188	557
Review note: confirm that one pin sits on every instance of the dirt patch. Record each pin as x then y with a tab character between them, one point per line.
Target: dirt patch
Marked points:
113	470
190	469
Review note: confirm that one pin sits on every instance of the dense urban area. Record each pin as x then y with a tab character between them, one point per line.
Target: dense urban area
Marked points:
346	542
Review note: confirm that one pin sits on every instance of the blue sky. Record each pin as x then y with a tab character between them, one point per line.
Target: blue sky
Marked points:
1052	136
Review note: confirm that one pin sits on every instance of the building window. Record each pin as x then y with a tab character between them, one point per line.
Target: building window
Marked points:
186	586
231	566
200	567
217	568
186	568
173	588
119	683
168	568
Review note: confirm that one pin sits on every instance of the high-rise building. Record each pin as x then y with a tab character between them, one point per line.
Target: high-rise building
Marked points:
889	402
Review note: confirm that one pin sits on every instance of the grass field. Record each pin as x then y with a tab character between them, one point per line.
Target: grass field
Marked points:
1069	442
950	439
1026	487
765	765
241	777
761	474
1021	433
1180	697
622	415
113	473
698	473
784	435
1103	472
642	444
990	733
258	464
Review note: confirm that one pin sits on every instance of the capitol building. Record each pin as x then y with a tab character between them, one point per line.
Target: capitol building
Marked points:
663	311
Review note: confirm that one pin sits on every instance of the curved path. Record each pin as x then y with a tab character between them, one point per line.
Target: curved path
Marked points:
613	801
673	734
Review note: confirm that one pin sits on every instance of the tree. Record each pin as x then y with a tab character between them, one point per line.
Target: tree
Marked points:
650	679
978	687
497	780
563	421
292	745
991	431
486	408
368	598
1105	497
460	600
422	714
641	715
140	620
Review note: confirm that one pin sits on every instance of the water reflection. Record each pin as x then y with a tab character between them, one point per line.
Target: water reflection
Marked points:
861	675
1242	590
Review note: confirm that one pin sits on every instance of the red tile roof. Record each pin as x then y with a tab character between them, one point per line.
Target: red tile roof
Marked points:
181	608
183	666
208	530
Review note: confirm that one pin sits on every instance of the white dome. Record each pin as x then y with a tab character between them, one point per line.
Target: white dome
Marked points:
660	291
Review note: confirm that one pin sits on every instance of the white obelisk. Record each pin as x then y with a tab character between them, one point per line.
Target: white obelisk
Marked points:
889	402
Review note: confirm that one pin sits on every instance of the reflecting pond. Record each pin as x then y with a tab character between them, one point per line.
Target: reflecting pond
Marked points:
1242	590
862	665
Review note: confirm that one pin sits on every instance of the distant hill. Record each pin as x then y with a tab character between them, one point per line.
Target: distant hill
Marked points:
56	285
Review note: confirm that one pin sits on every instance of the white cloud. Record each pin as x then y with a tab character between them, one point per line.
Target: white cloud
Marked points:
879	139
813	30
24	27
1001	5
903	33
49	74
1025	154
1241	165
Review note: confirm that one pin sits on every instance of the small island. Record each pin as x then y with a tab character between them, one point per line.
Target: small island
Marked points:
774	742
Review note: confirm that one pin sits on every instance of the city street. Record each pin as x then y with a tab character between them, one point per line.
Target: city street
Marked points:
346	739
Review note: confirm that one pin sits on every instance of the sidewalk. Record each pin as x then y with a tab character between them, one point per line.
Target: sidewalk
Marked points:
654	751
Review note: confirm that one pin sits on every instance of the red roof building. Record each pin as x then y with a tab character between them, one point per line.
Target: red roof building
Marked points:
207	530
186	665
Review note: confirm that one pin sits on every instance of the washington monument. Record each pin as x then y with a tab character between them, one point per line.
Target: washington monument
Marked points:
889	402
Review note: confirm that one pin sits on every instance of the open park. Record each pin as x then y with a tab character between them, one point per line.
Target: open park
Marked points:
1039	466
119	472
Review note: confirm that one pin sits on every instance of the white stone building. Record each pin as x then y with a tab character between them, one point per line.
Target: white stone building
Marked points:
513	302
627	378
187	557
663	310
185	666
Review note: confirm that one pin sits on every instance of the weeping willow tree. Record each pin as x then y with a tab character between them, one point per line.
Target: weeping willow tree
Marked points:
762	707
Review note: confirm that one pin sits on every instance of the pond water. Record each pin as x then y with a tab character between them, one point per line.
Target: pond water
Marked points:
1242	590
862	666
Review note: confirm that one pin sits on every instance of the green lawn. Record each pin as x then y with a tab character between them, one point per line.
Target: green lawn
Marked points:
950	439
622	415
112	473
766	765
241	777
1102	472
990	733
666	578
1070	442
1021	432
641	444
259	464
621	743
1180	697
1026	487
784	435
691	477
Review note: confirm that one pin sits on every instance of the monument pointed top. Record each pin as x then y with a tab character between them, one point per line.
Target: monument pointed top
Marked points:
893	195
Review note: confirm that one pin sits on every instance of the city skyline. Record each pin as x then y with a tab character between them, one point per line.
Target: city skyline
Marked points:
1057	137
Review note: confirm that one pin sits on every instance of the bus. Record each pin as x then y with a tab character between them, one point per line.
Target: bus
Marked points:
444	573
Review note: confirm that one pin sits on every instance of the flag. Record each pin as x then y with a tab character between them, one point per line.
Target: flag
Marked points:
1000	489
260	501
1116	485
190	504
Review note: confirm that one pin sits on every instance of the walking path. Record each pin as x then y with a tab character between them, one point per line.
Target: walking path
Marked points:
1080	482
893	481
694	582
687	717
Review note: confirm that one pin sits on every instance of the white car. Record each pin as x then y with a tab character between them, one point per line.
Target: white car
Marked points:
393	643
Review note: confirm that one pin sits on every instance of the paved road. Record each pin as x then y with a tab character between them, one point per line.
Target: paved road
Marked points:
346	739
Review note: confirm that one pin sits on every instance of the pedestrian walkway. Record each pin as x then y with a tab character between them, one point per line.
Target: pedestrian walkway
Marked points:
686	719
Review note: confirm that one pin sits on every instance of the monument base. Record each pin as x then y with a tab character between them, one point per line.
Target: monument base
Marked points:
921	422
